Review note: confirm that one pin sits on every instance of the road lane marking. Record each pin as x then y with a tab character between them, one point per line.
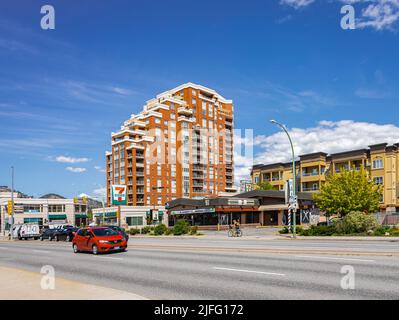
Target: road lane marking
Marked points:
250	271
112	258
41	251
335	258
4	248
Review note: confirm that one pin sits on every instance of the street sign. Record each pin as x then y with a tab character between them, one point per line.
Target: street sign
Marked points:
10	207
288	191
119	195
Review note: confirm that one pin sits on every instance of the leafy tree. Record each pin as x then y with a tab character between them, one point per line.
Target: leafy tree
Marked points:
264	185
348	191
90	214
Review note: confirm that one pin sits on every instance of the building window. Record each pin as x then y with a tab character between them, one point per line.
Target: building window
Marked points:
56	208
134	221
379	180
378	164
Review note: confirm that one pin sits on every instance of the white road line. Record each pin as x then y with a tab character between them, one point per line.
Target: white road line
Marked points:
4	248
112	258
41	251
250	271
335	258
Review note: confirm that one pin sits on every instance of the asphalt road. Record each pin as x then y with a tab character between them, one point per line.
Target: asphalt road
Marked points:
203	268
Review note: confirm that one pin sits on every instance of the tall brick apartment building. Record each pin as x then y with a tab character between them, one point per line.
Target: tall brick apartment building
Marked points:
179	146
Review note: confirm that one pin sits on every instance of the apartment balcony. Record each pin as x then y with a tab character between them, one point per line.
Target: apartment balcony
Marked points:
198	176
183	118
185	111
197	185
140	190
138	164
140	156
139	174
199	168
312	189
140	182
310	174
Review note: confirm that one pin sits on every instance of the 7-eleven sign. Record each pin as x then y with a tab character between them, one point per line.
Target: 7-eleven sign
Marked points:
119	195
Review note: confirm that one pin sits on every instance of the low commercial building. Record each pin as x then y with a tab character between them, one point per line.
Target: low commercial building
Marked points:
44	211
380	161
130	216
252	209
273	210
209	213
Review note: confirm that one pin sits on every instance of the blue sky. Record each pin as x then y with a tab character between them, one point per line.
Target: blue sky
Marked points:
63	91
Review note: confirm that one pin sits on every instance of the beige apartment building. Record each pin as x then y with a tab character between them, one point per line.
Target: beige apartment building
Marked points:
380	161
179	146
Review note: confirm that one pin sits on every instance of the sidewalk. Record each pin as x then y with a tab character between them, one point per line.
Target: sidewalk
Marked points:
342	238
25	285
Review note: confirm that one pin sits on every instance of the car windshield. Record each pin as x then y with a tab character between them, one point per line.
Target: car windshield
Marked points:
104	232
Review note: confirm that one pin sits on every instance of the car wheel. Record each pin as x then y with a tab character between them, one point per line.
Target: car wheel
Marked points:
68	238
75	248
56	238
95	250
41	239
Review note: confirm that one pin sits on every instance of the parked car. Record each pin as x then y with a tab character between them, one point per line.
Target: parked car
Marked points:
25	231
48	234
120	230
98	239
66	233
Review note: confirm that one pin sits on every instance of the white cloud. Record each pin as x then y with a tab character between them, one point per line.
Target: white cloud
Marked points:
100	169
296	3
64	159
101	192
83	195
376	14
327	136
122	91
76	169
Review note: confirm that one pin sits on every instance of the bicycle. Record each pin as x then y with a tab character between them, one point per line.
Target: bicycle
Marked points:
234	232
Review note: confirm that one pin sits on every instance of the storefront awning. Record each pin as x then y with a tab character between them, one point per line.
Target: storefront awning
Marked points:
194	211
107	214
57	216
273	207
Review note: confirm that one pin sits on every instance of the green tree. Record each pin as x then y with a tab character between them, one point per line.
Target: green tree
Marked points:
264	185
348	191
89	214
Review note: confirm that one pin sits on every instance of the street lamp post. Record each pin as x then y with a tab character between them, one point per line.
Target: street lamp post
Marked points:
294	200
155	188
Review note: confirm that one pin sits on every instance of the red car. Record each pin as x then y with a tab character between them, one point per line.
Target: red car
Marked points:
98	239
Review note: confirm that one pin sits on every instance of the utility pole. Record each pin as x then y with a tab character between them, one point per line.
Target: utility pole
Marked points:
155	188
293	201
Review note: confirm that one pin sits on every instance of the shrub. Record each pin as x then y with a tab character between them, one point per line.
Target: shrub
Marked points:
321	230
286	231
134	231
193	230
146	229
169	231
160	229
181	227
381	230
357	222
